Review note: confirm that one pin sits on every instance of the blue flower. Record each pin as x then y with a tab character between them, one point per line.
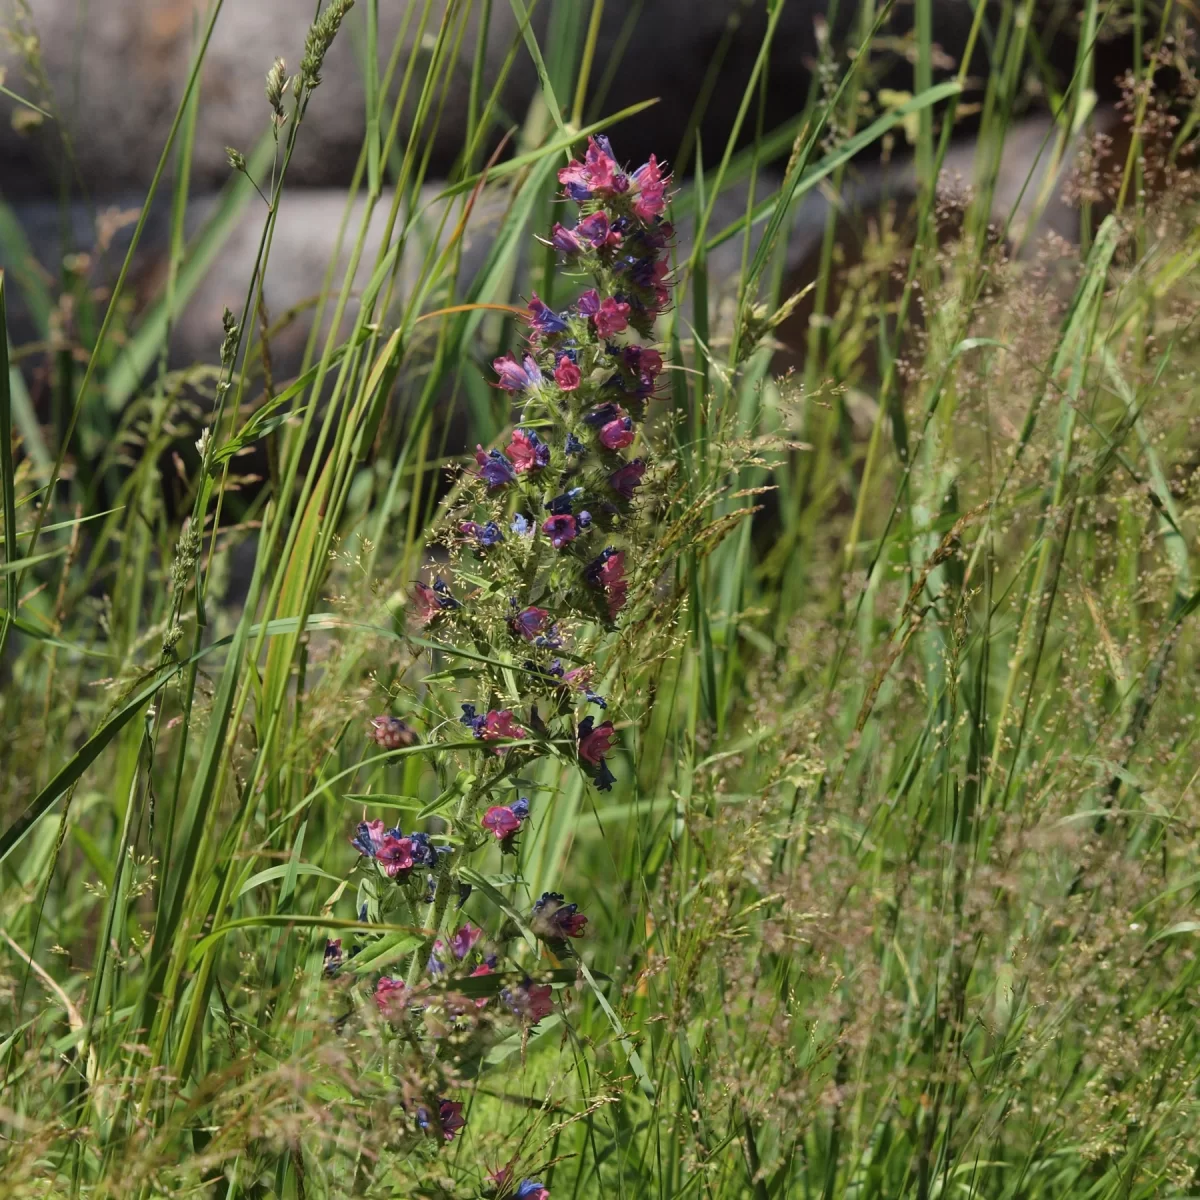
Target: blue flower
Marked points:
472	720
521	808
521	526
494	468
574	445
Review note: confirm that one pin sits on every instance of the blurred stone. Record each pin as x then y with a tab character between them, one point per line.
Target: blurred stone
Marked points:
133	60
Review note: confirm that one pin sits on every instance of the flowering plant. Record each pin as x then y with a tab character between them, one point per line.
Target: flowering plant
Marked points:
541	565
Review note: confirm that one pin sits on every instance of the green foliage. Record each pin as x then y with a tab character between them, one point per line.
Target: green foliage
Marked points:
896	893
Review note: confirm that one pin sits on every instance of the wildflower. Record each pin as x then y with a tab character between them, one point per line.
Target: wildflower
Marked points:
612	316
424	852
462	942
588	305
494	469
618	434
597	174
527	451
553	919
449	1117
500	725
607	572
390	997
574	445
368	837
604	414
521	526
531	1189
563	504
333	957
500	820
472	720
431	602
561	530
544	320
651	187
485	536
567	375
594	743
517	376
625	480
391	733
395	853
529	1001
596	232
565	241
530	622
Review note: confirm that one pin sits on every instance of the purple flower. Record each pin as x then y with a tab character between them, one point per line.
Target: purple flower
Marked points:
561	530
594	230
521	808
588	305
333	957
565	241
531	1189
603	414
462	942
625	480
554	919
515	376
451	1118
563	503
368	837
544	320
530	622
494	469
471	720
574	445
485	536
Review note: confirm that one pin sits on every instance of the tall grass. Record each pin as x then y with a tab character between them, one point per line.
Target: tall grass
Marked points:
897	895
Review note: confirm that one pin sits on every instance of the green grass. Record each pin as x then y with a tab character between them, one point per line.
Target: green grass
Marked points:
897	895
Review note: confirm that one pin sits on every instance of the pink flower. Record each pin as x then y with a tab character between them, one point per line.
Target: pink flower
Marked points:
390	996
596	742
651	185
501	820
618	434
527	451
426	603
626	480
612	317
498	725
567	375
395	853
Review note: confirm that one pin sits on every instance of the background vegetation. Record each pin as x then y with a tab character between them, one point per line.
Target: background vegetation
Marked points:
897	893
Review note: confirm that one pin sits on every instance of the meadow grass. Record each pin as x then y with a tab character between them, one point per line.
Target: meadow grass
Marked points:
896	893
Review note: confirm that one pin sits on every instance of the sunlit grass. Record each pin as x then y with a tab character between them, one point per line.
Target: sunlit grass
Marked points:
896	894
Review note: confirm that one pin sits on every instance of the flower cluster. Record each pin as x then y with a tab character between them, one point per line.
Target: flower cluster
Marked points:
536	566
